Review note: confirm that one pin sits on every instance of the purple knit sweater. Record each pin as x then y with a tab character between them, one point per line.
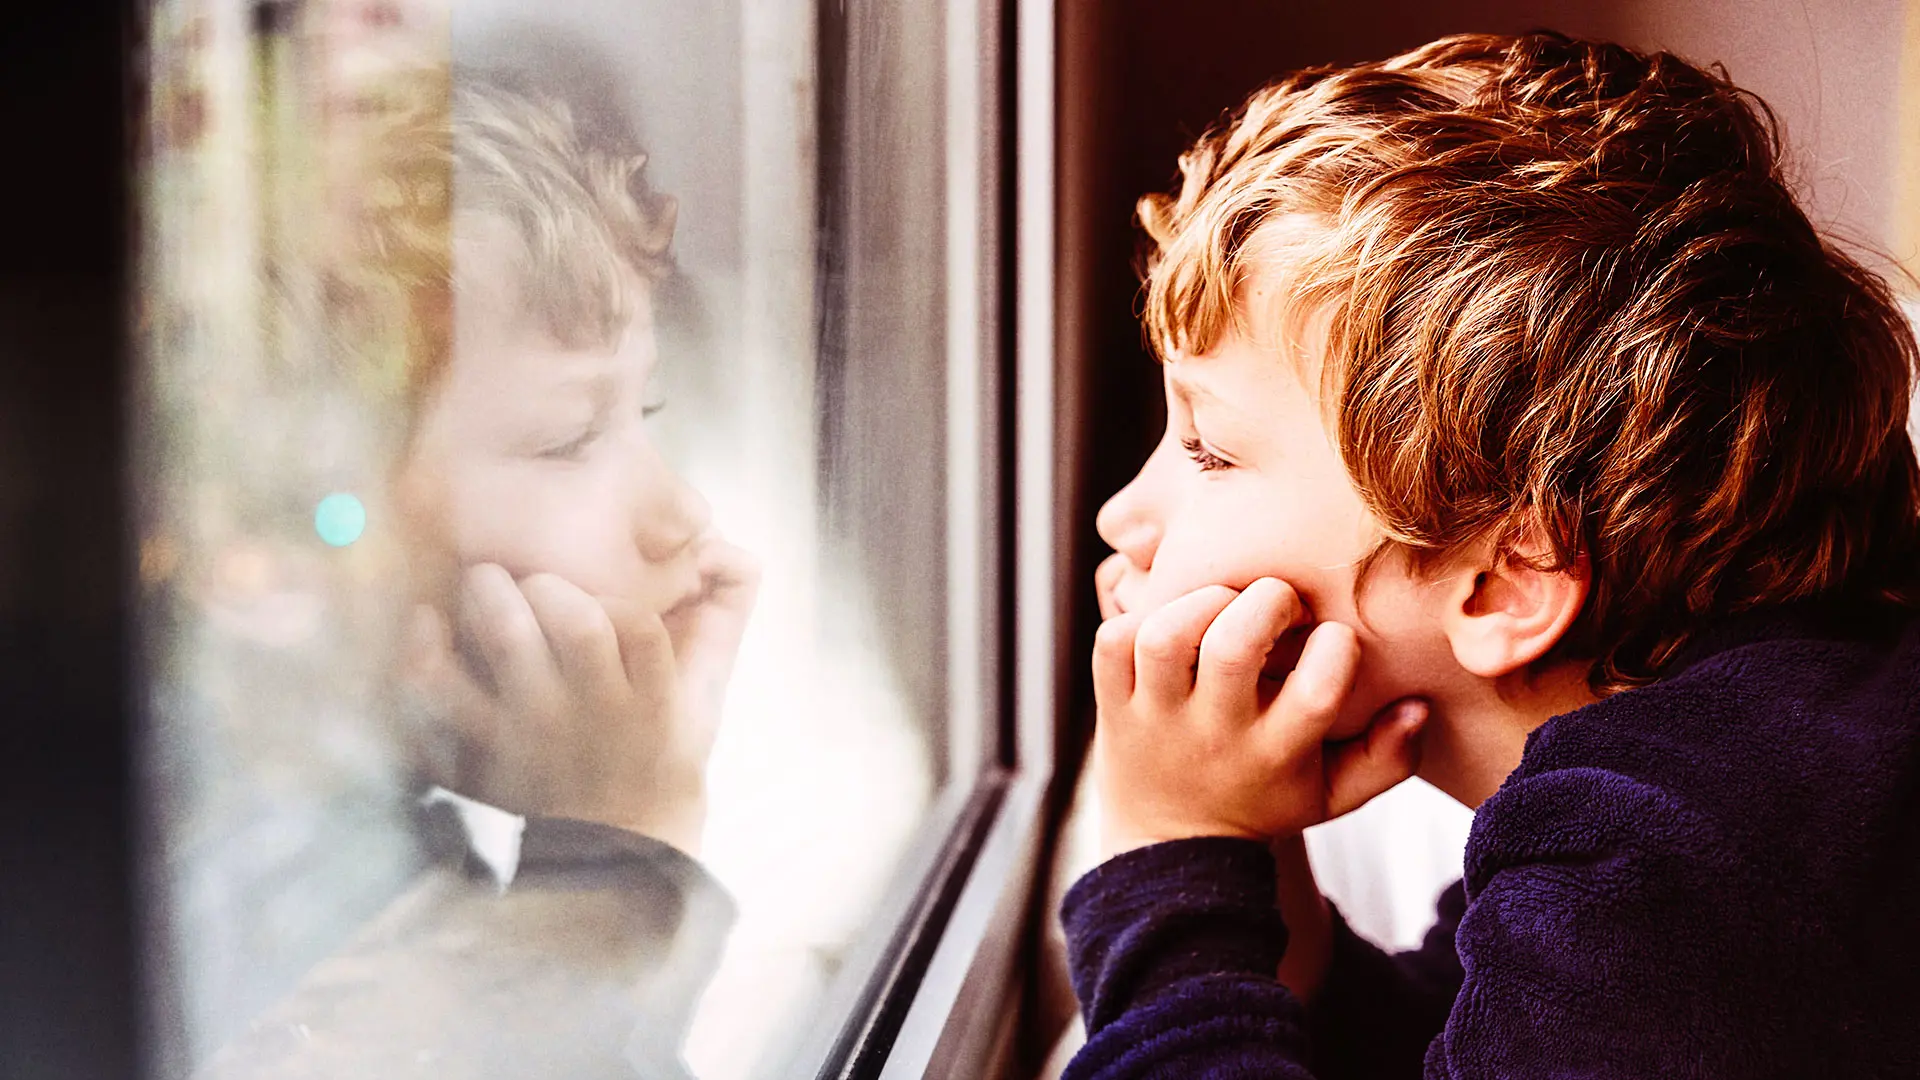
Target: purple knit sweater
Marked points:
1717	875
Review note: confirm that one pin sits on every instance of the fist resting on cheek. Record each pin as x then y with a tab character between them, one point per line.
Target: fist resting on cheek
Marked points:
1205	730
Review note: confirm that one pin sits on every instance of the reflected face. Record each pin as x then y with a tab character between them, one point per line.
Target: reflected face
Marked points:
1245	483
537	456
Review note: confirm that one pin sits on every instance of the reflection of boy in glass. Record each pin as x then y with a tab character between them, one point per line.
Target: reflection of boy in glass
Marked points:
582	617
577	623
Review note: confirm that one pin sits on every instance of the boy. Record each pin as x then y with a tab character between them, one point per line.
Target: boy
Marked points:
1510	366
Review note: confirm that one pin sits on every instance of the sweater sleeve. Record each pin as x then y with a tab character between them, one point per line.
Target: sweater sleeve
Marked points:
1586	950
588	965
1377	1011
1173	950
645	900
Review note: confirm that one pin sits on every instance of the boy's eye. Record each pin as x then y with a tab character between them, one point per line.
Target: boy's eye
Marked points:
1206	459
573	449
652	408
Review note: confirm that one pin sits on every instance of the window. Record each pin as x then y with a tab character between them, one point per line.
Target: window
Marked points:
574	474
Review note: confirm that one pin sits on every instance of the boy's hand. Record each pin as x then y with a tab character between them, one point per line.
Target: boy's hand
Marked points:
1192	742
565	704
1106	577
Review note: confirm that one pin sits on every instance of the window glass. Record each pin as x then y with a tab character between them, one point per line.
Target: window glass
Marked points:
541	502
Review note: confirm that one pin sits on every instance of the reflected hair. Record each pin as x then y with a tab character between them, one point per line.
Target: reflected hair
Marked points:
588	224
1572	299
581	210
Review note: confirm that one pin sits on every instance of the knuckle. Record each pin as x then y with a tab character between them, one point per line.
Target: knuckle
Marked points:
650	633
1233	657
1341	638
632	625
1114	637
1281	593
1216	743
1314	696
584	628
517	632
554	596
1219	594
546	587
488	575
1160	643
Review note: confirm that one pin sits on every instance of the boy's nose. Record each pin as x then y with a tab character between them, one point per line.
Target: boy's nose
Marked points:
1127	527
673	519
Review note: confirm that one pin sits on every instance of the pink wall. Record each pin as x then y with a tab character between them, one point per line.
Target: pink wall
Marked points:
1831	71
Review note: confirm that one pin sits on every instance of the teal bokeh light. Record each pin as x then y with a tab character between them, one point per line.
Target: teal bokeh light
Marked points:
340	519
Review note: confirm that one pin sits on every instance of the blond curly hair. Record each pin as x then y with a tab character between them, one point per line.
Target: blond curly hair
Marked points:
1572	297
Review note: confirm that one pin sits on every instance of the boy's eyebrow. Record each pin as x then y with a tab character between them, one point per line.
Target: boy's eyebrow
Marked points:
1185	391
601	389
1188	391
1231	420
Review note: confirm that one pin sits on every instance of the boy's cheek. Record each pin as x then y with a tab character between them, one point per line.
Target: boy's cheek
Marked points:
1396	661
1362	706
1235	546
503	516
584	559
1184	563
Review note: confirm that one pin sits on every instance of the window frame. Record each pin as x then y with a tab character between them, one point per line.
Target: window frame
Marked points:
941	1002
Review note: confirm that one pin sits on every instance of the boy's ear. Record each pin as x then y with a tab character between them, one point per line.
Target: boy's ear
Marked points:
1503	614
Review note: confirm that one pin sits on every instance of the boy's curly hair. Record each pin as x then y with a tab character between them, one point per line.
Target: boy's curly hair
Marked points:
1572	296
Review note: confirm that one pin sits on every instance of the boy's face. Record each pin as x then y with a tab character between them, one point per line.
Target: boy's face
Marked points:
536	456
1245	484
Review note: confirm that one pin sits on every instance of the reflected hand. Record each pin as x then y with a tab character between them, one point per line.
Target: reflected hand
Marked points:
1190	743
566	704
706	633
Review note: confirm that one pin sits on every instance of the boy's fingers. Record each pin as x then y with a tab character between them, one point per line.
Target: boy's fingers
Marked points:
1384	755
646	650
440	684
1167	648
1235	648
581	636
709	636
730	573
1106	577
503	624
1113	659
1316	688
